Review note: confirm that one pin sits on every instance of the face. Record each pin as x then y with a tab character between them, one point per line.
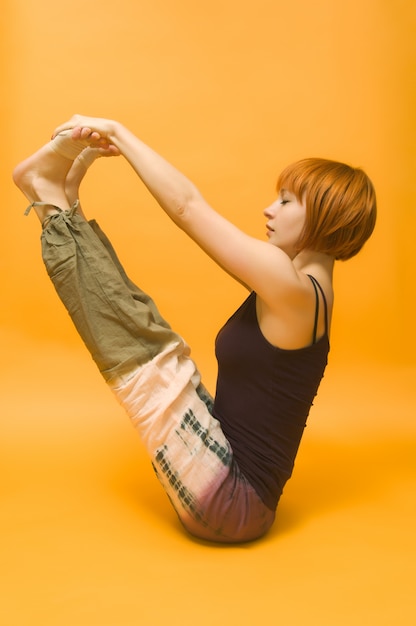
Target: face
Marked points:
286	218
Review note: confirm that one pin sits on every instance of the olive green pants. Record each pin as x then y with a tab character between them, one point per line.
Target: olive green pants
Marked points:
148	367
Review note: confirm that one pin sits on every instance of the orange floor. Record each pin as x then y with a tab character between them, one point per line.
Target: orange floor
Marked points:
88	538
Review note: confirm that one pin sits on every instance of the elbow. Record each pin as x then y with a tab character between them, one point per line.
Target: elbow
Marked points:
184	207
181	210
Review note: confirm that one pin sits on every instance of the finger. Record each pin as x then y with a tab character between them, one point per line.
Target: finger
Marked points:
96	137
87	133
75	122
110	150
77	132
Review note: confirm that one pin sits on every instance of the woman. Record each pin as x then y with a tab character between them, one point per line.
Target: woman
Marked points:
223	462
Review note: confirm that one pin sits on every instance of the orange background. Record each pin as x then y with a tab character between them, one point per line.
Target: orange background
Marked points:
230	92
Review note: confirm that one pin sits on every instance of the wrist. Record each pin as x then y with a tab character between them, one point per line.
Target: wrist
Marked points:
115	133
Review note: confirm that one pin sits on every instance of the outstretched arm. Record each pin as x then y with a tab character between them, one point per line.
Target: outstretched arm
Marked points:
259	265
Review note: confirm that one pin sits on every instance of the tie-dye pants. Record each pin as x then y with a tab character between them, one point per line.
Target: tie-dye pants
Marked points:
149	369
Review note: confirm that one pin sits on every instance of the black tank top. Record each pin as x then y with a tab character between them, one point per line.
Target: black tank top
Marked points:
264	395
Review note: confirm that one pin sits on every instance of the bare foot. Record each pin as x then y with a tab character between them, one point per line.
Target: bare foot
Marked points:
42	176
80	167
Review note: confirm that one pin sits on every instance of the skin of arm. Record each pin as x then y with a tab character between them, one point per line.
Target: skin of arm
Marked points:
280	285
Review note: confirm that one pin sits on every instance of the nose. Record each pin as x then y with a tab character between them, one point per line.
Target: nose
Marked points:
268	211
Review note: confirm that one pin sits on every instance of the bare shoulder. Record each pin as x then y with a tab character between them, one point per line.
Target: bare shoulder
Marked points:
287	321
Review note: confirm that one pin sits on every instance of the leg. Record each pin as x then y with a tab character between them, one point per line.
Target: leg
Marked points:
78	170
73	253
148	368
41	178
48	178
116	325
72	185
136	293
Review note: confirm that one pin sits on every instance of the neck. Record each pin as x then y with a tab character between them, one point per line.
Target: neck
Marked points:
311	262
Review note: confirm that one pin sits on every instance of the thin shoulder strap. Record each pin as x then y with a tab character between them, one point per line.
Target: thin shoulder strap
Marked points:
317	286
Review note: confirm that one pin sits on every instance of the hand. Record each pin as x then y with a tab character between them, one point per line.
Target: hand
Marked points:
95	130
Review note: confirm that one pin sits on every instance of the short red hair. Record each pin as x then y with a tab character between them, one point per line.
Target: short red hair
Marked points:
340	205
